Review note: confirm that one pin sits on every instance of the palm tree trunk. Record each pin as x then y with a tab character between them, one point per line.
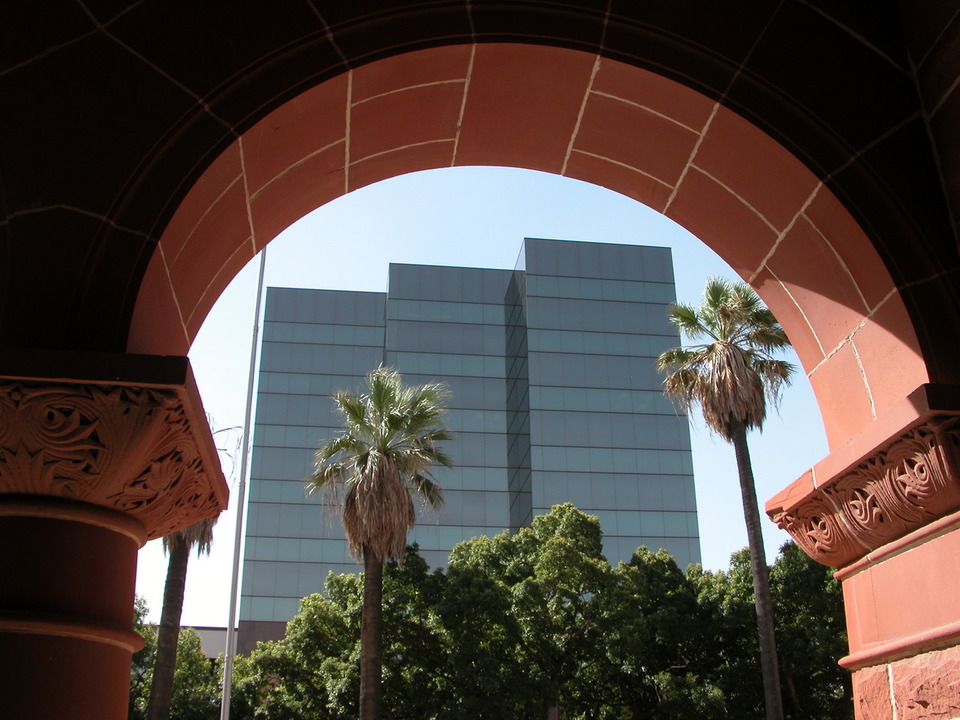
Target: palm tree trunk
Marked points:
761	580
371	638
161	689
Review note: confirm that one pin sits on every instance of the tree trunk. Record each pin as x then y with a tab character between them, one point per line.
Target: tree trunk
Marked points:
161	689
371	638
792	692
761	580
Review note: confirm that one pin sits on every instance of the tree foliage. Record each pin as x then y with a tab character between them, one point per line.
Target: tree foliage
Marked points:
390	442
196	678
519	624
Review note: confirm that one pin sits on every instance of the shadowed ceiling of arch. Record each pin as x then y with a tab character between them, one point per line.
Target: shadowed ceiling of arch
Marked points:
119	109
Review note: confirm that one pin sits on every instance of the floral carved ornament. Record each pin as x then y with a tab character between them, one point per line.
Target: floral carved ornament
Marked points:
132	449
902	487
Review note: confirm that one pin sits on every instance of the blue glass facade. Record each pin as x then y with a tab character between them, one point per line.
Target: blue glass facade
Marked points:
554	398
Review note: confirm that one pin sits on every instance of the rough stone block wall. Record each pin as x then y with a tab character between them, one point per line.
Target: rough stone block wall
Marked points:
924	687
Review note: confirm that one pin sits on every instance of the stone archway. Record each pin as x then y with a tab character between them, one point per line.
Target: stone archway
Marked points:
646	137
140	169
577	115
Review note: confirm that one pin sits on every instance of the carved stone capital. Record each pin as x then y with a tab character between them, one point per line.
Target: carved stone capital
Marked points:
906	484
140	448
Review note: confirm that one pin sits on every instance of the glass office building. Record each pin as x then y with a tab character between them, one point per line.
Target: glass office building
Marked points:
554	397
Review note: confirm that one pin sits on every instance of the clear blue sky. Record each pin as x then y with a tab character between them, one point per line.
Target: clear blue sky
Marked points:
474	217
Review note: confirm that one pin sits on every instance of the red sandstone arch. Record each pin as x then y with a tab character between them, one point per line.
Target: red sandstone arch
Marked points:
578	115
114	111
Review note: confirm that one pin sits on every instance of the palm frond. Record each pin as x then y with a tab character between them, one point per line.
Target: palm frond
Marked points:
429	490
198	535
776	374
351	407
766	336
716	296
733	375
677	357
687	320
392	437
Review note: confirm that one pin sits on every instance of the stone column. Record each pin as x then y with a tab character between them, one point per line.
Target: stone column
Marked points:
885	510
98	454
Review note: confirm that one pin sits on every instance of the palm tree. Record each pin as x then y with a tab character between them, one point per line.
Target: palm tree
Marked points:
178	546
731	377
390	441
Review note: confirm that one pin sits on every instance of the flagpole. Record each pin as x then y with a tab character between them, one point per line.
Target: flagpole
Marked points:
241	493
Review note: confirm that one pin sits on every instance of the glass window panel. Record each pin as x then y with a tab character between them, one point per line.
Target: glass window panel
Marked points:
548	458
616	344
287	579
310	550
652	523
472	365
470	313
495	450
573	370
591	289
542	256
334	551
567	261
624	461
448	536
473	508
610	290
284	609
471	449
608	521
580	459
497	509
577	491
623	430
288	549
266	519
261	549
650	491
261	608
280	491
628	522
428	535
566	341
472	478
279	303
264	578
567	287
604	494
673	495
675	524
626	491
671	462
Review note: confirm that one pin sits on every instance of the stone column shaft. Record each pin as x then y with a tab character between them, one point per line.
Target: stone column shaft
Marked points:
68	572
885	511
98	454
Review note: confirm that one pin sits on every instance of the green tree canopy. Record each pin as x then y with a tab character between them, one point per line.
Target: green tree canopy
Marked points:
519	624
196	679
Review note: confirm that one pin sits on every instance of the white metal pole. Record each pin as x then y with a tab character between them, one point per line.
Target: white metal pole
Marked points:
241	493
